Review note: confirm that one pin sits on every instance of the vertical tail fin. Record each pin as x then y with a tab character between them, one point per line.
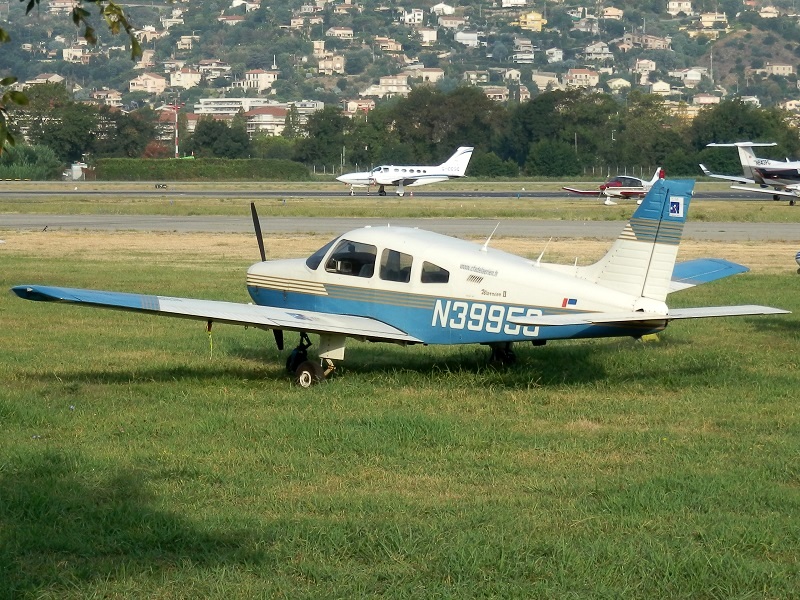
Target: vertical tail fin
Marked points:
456	165
659	174
748	159
641	260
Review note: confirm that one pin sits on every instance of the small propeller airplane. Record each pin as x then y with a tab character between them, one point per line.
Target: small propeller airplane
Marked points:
779	178
409	176
621	186
409	286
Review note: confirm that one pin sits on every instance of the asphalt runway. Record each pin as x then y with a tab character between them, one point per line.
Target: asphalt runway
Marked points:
726	232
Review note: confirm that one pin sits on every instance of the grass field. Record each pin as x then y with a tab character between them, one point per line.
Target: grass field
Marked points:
136	463
188	199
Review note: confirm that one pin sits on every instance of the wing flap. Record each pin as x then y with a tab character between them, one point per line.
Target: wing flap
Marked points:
583	192
769	191
266	317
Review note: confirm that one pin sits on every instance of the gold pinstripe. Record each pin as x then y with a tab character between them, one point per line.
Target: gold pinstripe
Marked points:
288	285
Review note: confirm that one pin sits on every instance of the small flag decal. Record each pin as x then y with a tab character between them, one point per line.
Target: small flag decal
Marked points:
569	302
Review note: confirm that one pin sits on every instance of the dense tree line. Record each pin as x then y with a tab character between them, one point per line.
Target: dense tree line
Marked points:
556	133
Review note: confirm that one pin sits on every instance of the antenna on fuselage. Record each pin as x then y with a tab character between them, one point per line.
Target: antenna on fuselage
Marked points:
485	246
539	260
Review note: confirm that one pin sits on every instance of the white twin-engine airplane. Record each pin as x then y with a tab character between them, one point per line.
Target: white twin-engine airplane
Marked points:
410	176
779	178
409	286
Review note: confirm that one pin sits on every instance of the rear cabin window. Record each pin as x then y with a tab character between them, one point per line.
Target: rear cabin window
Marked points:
432	273
395	266
352	258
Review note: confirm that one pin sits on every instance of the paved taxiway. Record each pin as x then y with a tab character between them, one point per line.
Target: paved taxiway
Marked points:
728	232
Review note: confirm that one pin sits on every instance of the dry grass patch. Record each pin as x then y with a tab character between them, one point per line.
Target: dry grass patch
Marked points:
761	257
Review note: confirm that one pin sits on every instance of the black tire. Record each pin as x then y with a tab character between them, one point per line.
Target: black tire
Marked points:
308	374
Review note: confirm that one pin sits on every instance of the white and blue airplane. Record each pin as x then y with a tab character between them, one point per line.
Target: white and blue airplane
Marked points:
408	286
409	175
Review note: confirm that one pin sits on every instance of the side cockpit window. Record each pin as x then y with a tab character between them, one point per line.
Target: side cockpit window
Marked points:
395	266
352	258
432	273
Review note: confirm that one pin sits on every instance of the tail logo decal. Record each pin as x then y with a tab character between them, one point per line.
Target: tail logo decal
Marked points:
676	207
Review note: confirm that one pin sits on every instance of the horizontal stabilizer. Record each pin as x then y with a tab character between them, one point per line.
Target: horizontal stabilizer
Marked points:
742	310
734	178
702	270
743	145
265	317
600	318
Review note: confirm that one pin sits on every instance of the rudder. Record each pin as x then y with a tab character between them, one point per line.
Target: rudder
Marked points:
641	260
456	165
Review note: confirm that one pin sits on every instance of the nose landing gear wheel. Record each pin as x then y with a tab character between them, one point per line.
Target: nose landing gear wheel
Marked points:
308	374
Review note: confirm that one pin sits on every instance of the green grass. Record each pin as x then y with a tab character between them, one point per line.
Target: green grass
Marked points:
134	464
179	201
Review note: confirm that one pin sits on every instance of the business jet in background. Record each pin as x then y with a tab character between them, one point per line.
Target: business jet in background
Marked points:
621	186
781	179
409	175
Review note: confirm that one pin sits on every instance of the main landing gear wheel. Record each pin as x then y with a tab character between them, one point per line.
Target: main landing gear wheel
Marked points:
299	355
309	373
381	191
502	355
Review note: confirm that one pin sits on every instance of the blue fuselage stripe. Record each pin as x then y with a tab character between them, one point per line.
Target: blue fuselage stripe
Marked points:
444	320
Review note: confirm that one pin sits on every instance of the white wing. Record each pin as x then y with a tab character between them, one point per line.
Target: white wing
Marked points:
265	317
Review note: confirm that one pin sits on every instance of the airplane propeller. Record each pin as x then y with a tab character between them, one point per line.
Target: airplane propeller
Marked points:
257	227
278	333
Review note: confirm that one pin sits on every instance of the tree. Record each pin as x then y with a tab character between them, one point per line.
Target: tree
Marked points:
108	10
325	137
70	131
214	139
551	159
488	164
29	162
270	146
291	125
125	135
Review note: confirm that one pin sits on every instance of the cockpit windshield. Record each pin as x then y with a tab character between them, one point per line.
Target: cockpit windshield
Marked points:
315	259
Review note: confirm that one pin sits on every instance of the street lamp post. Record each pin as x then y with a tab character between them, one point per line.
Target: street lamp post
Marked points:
175	107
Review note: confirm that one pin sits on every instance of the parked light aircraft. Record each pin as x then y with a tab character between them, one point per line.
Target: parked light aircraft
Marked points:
621	186
410	286
410	176
779	178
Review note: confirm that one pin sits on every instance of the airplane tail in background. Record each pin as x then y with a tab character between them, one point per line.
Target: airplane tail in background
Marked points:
747	156
641	260
659	174
456	165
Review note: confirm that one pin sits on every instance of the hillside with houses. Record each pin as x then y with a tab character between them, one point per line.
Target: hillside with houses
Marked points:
275	64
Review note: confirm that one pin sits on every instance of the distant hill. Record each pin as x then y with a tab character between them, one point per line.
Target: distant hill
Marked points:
742	50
